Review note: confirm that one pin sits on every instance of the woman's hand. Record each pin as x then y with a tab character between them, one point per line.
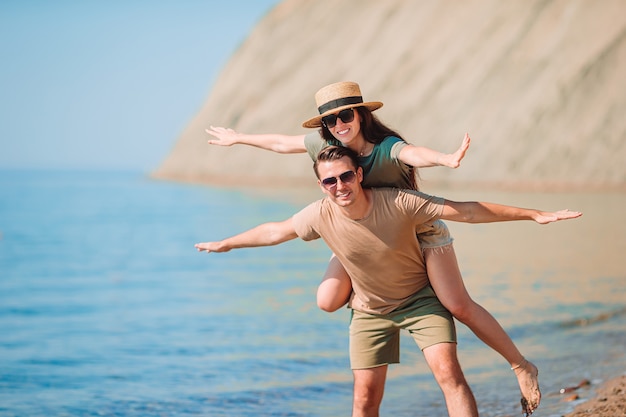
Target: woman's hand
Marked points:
225	136
453	160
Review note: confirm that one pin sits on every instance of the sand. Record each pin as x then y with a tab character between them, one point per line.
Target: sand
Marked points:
610	401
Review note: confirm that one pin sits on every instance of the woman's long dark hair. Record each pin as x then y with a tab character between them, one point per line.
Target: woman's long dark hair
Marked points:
374	131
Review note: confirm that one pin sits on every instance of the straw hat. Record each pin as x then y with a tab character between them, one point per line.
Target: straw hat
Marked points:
338	96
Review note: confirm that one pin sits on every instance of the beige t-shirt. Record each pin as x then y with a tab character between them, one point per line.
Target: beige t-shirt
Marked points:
381	252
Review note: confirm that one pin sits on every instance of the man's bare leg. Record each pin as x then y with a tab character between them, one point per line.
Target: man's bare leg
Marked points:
369	387
443	362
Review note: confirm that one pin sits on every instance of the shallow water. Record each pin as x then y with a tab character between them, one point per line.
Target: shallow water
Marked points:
107	309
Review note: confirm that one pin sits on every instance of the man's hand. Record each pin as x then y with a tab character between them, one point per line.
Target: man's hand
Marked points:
544	217
209	247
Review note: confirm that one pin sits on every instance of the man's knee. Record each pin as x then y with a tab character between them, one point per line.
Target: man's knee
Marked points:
450	376
369	386
444	364
367	401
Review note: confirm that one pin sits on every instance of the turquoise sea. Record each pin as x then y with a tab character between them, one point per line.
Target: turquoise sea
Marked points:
106	309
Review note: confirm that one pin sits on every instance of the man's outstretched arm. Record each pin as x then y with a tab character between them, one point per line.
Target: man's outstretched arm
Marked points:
479	212
266	234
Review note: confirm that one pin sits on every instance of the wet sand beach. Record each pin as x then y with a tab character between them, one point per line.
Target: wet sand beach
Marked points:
610	401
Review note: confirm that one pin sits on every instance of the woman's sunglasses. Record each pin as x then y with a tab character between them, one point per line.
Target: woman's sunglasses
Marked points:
346	116
346	177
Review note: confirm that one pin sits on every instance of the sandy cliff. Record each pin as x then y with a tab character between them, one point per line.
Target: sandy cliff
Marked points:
539	85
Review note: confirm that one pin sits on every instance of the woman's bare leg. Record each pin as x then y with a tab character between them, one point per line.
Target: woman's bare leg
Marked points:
445	278
335	288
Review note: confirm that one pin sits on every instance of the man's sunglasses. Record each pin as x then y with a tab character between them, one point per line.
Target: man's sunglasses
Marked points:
347	177
346	116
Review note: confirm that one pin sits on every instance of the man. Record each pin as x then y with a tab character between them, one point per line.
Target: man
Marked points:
372	232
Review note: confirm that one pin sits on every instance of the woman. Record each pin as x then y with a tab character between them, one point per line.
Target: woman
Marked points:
389	161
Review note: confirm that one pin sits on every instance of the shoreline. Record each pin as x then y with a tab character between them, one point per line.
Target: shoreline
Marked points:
308	181
609	400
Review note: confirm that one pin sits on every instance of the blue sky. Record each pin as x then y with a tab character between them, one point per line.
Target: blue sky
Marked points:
109	84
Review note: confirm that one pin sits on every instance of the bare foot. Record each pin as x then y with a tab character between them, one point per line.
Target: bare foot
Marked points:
527	373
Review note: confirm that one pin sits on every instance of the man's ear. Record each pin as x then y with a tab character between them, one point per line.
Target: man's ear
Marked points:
359	174
319	182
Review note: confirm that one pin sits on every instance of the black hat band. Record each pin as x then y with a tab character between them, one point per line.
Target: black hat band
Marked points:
344	101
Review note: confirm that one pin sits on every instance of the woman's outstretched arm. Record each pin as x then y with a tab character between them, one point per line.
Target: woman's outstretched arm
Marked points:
421	157
271	142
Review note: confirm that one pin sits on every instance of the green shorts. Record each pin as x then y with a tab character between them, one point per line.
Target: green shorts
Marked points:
375	339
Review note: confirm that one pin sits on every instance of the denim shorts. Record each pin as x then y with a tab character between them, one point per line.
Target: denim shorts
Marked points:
434	235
